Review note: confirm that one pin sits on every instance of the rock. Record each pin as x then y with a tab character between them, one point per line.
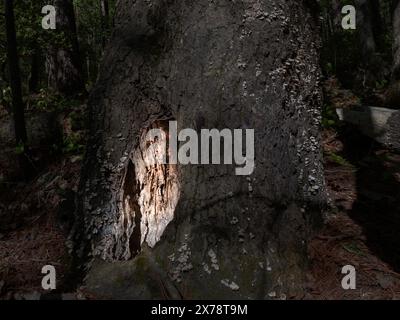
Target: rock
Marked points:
31	296
380	124
68	296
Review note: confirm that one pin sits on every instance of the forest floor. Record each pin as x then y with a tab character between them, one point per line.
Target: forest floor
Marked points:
362	230
363	181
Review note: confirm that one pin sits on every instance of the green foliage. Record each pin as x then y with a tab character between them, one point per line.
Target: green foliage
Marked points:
329	70
72	144
43	101
338	159
31	37
329	117
20	148
47	100
77	120
381	84
352	247
91	32
6	95
341	53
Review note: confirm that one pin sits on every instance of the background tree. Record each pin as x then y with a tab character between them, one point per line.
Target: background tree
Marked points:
360	60
369	30
64	65
396	43
207	65
34	77
393	92
14	74
93	31
365	19
105	20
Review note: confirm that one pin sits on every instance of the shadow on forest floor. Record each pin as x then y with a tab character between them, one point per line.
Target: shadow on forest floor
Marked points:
377	206
363	181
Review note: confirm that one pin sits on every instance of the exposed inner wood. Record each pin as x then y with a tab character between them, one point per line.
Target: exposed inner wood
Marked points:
150	191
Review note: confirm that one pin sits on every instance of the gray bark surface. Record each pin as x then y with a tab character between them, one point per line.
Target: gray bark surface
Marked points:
224	64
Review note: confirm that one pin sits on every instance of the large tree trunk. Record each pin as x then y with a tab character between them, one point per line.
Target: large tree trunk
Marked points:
64	65
200	231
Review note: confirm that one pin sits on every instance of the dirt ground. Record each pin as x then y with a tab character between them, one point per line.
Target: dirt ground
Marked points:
362	227
37	233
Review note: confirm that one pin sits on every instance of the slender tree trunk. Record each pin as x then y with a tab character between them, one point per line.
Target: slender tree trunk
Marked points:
34	78
393	92
201	231
396	43
105	20
365	29
15	80
63	61
3	83
369	29
16	91
377	23
92	59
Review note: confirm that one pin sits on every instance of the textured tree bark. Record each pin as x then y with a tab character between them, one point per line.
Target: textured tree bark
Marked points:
200	231
64	65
